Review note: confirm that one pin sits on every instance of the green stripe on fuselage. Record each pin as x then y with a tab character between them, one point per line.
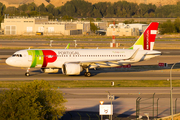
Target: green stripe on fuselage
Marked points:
37	57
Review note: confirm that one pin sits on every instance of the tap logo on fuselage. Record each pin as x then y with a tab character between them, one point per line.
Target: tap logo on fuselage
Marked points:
42	57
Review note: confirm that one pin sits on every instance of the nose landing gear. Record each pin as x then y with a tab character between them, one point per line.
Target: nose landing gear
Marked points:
27	74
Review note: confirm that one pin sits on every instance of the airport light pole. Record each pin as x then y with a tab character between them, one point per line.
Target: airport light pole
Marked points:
111	102
75	43
171	90
50	43
101	102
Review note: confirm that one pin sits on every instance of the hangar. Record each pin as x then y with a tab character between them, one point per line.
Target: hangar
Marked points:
122	29
41	25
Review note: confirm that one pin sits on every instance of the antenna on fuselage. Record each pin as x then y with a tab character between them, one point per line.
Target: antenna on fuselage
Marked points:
30	47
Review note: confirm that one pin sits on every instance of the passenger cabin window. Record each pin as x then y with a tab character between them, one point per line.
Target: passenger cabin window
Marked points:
17	55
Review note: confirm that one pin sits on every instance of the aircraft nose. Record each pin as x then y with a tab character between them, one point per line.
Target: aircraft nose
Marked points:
9	61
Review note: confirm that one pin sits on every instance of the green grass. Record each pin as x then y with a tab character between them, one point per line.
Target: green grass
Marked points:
97	83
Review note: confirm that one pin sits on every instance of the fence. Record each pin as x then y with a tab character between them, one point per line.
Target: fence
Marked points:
149	107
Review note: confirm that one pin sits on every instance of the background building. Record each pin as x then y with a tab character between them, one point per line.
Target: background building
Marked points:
122	29
41	25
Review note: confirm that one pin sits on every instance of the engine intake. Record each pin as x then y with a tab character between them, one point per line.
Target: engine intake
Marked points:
71	69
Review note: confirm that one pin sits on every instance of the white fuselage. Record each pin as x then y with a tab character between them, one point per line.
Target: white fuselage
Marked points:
55	58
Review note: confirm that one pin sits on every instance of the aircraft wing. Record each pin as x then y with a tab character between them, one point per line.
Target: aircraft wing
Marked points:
98	62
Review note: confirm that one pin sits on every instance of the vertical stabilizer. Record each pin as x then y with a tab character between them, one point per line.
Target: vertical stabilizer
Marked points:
147	38
67	47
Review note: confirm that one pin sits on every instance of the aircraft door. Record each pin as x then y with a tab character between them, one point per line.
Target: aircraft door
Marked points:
30	57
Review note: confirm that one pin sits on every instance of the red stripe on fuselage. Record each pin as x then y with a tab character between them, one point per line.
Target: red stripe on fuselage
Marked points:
49	57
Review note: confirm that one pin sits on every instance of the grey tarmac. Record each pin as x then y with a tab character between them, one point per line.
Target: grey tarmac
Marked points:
87	99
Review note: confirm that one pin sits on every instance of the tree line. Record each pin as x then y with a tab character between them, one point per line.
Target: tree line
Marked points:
81	8
170	27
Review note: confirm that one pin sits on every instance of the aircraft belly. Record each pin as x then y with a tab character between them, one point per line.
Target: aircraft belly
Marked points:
39	66
57	64
147	57
50	65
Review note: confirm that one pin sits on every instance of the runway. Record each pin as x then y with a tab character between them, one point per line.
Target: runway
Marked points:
165	43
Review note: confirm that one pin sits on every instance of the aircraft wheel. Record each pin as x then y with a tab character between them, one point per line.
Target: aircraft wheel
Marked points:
27	74
88	74
85	74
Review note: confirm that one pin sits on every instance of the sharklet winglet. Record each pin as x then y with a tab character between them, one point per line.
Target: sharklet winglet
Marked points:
67	47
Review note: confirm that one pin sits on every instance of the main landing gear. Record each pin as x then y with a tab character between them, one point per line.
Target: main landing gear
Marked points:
87	73
27	72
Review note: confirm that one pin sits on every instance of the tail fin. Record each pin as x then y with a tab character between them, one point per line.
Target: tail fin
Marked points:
67	47
147	39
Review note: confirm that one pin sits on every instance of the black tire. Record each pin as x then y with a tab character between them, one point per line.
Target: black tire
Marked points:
85	74
27	74
88	74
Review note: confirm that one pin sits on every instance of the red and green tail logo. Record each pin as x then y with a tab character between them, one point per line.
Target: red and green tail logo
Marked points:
147	39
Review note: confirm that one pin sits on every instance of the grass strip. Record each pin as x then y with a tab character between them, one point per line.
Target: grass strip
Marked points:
97	83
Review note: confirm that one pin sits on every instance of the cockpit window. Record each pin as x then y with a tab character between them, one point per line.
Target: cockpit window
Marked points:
17	55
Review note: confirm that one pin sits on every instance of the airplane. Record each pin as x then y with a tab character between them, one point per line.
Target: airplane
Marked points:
74	61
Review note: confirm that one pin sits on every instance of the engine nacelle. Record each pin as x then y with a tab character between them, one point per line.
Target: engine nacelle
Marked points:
49	70
71	69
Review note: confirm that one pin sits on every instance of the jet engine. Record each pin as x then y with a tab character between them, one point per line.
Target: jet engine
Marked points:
49	70
71	69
